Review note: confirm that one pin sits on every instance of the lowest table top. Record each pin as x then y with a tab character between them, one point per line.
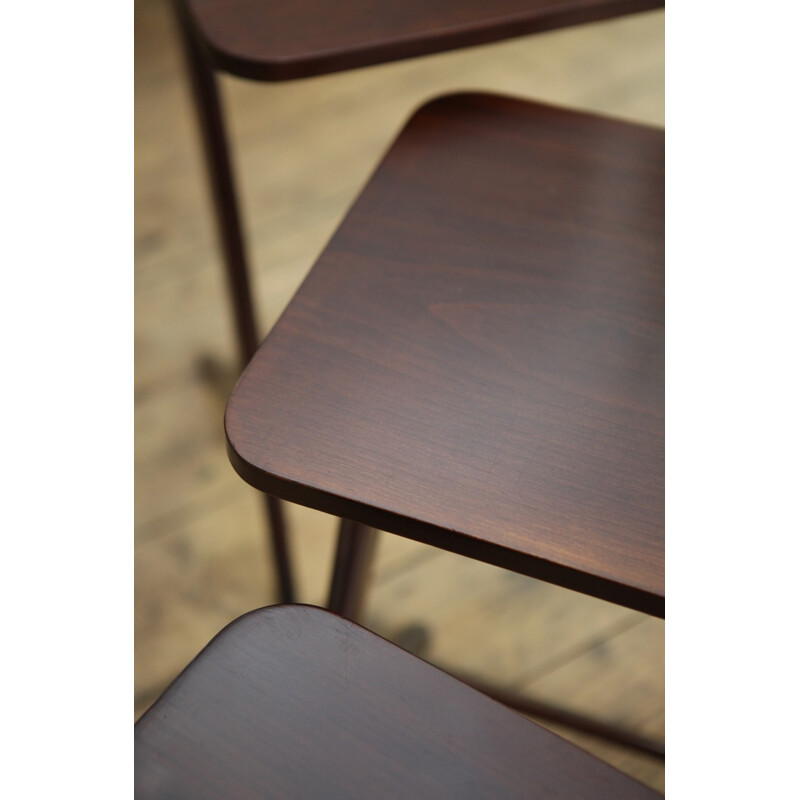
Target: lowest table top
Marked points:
476	360
293	702
278	40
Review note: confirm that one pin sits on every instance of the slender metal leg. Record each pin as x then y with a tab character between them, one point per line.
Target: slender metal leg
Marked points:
210	119
280	548
220	174
560	716
354	550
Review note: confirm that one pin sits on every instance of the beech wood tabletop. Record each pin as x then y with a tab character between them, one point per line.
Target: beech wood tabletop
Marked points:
278	40
295	702
476	360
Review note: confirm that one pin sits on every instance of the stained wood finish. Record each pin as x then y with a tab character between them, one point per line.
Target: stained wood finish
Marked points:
277	40
476	361
294	702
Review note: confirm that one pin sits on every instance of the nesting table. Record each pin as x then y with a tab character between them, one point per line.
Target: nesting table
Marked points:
294	702
476	361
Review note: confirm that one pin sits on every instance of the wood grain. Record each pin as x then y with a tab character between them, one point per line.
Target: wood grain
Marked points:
294	702
476	360
275	40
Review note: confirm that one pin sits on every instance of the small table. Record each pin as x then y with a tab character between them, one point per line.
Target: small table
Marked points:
476	361
294	702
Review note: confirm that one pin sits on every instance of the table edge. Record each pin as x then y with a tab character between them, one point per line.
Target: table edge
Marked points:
460	543
324	62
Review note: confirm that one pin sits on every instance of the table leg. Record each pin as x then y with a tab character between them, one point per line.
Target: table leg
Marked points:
354	550
570	719
210	119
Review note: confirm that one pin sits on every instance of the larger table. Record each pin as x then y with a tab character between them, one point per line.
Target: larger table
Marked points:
476	361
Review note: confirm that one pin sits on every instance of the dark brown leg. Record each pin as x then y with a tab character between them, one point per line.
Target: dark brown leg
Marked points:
223	191
354	551
560	716
280	549
210	119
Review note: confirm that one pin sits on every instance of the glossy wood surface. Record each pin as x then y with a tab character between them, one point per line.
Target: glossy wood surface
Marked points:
278	40
476	360
294	702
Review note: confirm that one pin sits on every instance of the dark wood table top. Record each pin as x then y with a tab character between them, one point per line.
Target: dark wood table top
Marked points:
294	702
476	360
278	40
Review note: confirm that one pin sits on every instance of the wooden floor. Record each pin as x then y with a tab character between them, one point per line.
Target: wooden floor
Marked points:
302	151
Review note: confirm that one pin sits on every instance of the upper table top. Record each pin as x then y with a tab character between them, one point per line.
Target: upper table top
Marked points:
276	40
294	702
476	360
